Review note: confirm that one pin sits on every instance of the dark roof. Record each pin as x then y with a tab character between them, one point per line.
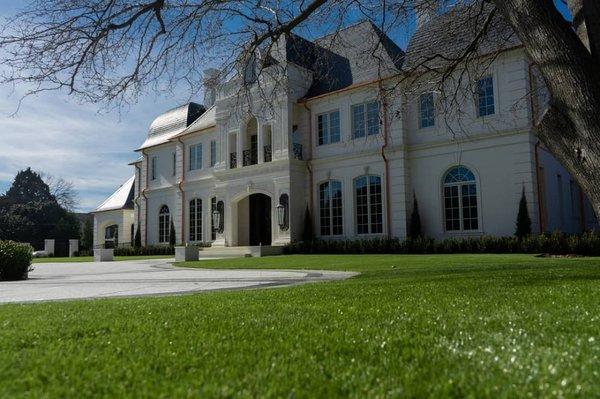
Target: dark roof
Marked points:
450	33
345	57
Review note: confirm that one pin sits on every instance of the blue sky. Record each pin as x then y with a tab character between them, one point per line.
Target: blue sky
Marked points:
82	143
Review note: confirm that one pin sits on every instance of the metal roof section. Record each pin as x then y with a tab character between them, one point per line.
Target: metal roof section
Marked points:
171	123
205	121
120	199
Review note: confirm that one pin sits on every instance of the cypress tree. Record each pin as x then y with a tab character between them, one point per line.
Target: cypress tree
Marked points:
172	236
308	233
523	219
415	230
137	241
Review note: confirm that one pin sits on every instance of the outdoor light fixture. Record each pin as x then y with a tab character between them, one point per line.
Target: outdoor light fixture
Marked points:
217	217
282	212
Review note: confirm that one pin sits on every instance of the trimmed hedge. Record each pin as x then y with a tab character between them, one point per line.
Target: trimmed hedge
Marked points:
15	260
586	244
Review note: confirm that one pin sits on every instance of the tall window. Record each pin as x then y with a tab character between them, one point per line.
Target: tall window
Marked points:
330	208
174	163
196	219
153	165
369	206
213	153
365	119
213	207
196	157
164	224
426	110
485	96
460	200
111	236
328	127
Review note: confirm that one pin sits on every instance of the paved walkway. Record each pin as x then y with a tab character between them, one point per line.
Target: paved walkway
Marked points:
61	281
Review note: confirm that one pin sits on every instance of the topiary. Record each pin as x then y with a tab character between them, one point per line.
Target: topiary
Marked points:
172	236
523	219
15	260
415	221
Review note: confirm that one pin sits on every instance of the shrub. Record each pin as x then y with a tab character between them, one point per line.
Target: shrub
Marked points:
145	251
523	220
556	243
415	221
15	260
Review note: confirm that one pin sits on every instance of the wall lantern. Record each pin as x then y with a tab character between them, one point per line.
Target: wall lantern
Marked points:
217	217
282	212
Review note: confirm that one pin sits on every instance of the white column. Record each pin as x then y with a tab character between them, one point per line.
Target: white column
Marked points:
260	143
240	147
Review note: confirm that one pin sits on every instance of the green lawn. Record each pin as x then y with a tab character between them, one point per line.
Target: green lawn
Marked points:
91	258
408	326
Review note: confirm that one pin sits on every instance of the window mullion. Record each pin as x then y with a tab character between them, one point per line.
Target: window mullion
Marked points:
460	208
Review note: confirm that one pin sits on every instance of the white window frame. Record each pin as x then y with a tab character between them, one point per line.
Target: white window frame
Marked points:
331	234
327	136
153	167
195	163
164	221
370	224
494	96
197	234
421	97
461	217
365	119
213	153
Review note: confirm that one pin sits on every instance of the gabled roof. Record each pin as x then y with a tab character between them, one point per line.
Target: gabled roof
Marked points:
120	199
356	54
448	35
205	121
171	123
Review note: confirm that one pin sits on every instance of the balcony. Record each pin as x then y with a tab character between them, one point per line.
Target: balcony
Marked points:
250	158
232	160
268	153
297	149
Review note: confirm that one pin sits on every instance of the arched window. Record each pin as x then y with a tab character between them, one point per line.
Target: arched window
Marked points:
330	208
111	236
196	219
369	206
164	223
460	200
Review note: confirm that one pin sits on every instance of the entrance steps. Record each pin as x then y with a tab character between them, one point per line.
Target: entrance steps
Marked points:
240	252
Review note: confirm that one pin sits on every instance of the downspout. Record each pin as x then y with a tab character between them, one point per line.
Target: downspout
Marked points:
308	163
145	201
386	161
539	187
180	186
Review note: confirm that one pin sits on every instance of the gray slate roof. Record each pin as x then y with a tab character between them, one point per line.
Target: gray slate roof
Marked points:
450	33
171	123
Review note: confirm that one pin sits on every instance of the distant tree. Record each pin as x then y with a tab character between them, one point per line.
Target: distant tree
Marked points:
29	212
172	235
523	219
62	190
308	234
137	242
415	230
87	235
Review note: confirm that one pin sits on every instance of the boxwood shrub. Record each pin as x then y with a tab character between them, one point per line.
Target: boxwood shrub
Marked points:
585	244
145	251
15	260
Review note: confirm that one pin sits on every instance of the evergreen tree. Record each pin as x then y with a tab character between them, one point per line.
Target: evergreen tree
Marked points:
137	243
308	233
28	187
172	236
415	229
87	235
523	220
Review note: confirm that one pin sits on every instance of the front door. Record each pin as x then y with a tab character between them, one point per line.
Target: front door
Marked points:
260	219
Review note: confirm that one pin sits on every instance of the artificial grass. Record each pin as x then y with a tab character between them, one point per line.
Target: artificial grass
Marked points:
416	326
91	258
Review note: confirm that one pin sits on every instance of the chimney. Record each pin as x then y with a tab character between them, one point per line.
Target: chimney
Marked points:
211	84
425	11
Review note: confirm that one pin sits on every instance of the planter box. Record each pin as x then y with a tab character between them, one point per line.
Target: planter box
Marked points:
187	253
103	255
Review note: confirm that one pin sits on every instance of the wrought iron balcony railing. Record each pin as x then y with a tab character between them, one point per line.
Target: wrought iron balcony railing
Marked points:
297	149
233	160
268	153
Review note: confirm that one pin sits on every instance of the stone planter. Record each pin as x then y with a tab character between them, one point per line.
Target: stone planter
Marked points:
103	255
187	253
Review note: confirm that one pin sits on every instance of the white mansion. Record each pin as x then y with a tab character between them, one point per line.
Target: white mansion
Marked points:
323	133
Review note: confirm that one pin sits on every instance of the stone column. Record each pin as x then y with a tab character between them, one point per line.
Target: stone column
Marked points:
260	142
49	247
73	247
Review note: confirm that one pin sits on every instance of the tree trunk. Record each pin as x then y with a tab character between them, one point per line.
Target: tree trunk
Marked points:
571	127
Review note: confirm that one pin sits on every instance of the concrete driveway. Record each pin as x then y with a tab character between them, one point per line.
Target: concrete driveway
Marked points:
61	281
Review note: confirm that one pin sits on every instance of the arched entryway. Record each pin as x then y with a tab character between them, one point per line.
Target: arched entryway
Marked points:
254	220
